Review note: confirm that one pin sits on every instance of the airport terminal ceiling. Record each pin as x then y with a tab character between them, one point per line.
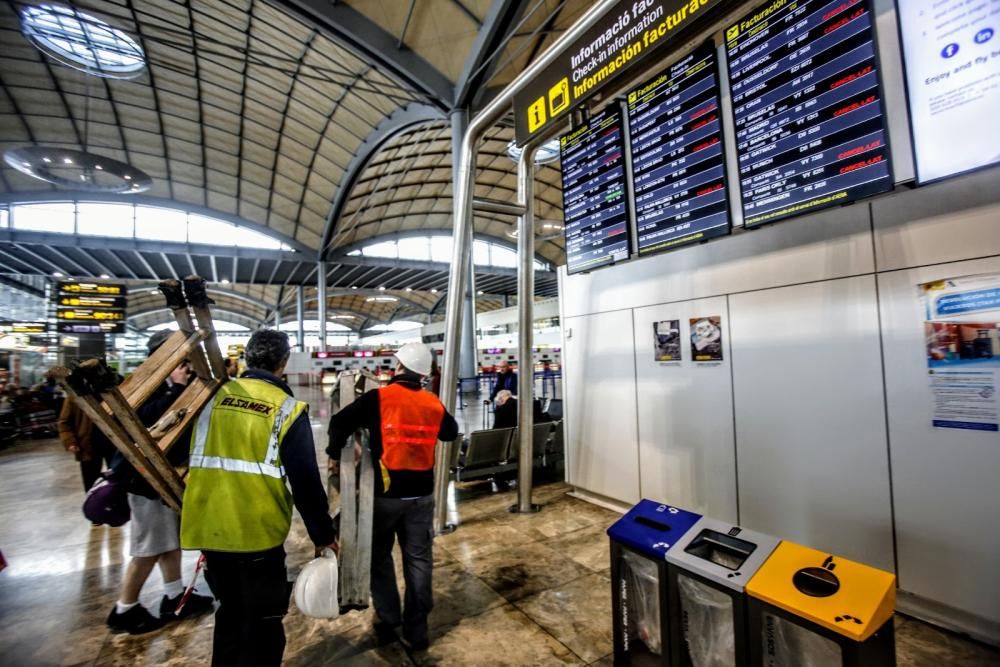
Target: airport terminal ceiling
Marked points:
324	126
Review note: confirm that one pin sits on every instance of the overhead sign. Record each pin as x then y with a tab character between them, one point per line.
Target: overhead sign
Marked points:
7	326
77	287
629	30
90	307
952	57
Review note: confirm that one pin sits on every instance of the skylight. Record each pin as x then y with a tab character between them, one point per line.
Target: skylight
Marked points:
438	249
82	41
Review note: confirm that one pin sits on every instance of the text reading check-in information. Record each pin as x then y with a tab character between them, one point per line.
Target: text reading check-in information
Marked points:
678	164
808	107
594	203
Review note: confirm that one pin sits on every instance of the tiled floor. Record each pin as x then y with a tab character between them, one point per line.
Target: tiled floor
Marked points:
509	589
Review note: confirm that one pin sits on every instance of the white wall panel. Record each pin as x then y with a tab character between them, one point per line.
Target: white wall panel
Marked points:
810	417
943	222
829	244
600	410
686	449
945	481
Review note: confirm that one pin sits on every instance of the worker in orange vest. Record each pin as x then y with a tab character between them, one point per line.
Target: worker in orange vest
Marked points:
404	423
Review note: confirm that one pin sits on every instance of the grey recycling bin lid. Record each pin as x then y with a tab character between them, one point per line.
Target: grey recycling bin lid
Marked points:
721	552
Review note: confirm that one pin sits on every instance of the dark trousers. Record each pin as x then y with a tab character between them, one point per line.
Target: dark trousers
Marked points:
412	521
100	456
253	592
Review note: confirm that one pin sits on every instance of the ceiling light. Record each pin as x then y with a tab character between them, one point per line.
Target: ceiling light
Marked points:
225	281
78	170
381	288
354	287
105	276
57	274
480	292
409	289
381	299
434	291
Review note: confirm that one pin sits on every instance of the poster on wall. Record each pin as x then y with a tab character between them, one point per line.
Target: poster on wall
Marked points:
706	338
667	340
963	351
951	53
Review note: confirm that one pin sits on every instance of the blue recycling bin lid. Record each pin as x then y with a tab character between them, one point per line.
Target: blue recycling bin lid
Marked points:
651	528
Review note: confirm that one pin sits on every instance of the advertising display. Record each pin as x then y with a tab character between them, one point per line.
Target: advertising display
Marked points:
952	61
808	108
594	203
89	307
706	338
963	351
667	340
678	169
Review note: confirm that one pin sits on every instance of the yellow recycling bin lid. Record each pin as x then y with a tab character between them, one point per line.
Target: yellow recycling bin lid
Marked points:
849	598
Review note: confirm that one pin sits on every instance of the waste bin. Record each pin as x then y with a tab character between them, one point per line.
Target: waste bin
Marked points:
639	593
808	608
708	570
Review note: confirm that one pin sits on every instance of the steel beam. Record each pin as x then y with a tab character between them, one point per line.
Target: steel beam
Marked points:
321	303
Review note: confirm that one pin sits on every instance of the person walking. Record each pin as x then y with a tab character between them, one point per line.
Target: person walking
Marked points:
154	534
404	424
251	439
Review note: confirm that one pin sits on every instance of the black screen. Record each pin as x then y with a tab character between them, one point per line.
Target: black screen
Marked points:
678	169
808	107
594	203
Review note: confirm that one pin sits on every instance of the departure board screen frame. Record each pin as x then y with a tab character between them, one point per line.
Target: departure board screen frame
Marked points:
821	164
684	104
590	145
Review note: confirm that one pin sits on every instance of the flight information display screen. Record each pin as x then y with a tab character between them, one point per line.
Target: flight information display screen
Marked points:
808	107
678	170
595	215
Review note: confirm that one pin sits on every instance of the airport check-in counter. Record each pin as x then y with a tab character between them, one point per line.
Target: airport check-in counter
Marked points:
809	608
639	582
708	570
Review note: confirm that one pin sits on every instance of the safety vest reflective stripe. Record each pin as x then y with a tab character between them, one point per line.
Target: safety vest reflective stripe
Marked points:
390	439
279	423
414	427
237	465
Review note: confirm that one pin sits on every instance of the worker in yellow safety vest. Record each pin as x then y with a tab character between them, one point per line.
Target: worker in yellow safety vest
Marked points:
250	440
404	423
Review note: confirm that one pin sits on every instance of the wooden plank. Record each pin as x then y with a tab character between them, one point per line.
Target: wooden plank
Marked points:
154	371
135	428
118	437
197	297
197	357
194	398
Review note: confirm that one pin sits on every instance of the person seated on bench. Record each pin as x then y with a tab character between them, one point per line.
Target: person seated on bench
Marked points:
505	415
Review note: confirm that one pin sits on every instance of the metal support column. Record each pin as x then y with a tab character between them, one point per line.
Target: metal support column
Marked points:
321	305
463	188
300	310
277	318
525	329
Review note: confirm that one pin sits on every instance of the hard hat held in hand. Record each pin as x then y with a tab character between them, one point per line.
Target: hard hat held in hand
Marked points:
415	357
316	587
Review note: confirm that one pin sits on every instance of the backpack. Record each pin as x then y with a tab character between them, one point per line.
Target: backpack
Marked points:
107	501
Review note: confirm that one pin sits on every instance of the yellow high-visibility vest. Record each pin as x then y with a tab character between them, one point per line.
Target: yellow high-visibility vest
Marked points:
236	497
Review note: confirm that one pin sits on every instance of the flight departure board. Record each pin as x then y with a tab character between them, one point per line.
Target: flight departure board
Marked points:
678	170
808	107
595	213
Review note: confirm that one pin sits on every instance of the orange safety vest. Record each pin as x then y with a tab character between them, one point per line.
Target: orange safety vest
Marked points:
411	421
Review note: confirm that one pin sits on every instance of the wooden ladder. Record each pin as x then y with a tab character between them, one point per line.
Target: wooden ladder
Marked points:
112	407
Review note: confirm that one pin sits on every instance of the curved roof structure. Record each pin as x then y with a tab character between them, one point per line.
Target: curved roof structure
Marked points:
324	125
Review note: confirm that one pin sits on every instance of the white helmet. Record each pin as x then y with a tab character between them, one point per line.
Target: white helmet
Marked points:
415	357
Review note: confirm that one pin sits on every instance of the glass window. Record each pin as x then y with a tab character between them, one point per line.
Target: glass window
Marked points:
481	253
4	217
210	231
105	219
160	224
503	256
415	248
441	248
384	249
252	239
44	217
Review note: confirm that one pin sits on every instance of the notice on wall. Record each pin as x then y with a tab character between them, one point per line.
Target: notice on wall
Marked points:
667	340
706	338
952	56
963	351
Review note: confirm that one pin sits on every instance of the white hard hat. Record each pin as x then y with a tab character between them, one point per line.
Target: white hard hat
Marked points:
415	357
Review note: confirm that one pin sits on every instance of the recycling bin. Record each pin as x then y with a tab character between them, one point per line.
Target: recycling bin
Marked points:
639	584
808	608
708	570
